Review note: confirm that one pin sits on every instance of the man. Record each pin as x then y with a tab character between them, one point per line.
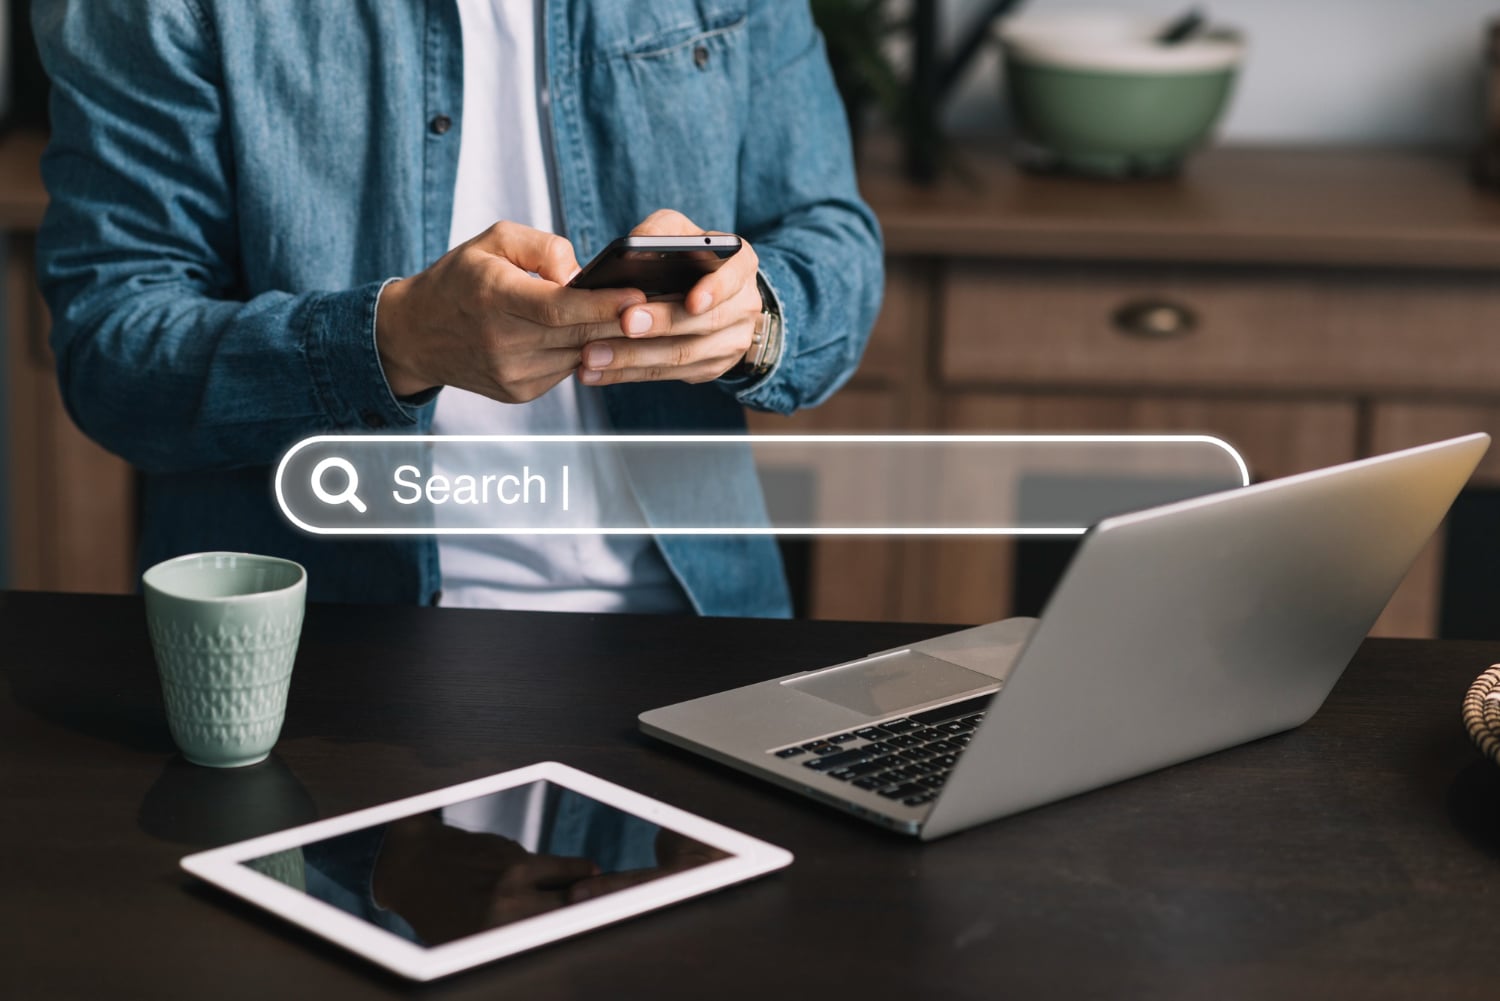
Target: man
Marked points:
234	187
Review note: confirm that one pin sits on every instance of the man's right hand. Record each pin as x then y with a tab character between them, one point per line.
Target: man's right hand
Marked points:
476	319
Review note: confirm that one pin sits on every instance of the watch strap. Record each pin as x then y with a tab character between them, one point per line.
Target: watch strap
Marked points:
766	342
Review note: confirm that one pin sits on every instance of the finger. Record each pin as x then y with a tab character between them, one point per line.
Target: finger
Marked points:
574	337
705	371
659	319
557	307
702	363
530	249
662	319
667	222
559	264
719	286
666	353
669	319
512	376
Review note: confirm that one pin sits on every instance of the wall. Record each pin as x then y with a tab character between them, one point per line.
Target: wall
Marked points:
1377	72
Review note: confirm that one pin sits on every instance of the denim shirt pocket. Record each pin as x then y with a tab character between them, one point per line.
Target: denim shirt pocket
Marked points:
679	94
695	39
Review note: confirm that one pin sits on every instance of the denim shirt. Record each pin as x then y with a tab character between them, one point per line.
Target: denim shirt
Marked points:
232	182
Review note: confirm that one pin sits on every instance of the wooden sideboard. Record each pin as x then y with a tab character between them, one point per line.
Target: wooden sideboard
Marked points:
1309	306
71	504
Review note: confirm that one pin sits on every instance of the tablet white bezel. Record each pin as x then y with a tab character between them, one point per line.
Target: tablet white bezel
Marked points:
748	858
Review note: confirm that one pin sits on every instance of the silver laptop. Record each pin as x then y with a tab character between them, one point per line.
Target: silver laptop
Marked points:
1175	632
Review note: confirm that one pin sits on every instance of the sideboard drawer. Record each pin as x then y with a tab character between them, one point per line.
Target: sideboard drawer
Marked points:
1186	327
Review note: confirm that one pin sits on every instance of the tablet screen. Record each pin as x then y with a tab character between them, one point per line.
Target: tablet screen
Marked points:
485	862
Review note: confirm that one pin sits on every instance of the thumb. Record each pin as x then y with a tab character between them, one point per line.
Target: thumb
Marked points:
667	222
547	254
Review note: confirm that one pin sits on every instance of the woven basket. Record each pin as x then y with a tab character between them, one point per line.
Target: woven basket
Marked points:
1482	712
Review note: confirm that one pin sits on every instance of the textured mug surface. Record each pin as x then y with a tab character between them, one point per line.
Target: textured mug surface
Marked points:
225	628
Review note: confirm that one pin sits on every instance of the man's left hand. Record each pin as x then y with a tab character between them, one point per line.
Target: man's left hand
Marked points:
695	340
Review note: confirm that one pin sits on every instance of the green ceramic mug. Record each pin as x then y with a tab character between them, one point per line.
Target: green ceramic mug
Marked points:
225	628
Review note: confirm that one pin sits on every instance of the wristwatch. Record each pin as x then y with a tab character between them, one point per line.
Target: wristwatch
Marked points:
766	342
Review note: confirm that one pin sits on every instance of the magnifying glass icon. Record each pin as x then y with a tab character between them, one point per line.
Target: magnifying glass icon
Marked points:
345	496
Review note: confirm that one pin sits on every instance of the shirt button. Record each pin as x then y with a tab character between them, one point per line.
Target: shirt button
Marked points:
440	125
372	419
700	56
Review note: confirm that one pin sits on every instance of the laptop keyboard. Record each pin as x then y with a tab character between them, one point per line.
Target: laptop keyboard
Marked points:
907	758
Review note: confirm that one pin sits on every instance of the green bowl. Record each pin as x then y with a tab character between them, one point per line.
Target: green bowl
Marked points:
1093	94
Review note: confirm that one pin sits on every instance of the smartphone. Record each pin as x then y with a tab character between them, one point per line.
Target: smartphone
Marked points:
663	267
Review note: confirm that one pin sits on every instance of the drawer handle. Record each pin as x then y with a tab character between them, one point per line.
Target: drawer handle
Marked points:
1155	319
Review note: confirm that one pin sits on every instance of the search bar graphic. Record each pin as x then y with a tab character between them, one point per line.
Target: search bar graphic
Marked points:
351	483
835	484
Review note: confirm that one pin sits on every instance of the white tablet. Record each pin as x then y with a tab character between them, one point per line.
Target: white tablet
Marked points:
440	882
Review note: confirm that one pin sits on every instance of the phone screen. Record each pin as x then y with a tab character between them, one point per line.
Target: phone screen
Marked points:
668	268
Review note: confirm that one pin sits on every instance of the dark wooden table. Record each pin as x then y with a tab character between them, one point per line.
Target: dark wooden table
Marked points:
1356	857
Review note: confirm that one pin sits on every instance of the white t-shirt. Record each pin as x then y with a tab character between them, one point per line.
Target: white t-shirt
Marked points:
502	174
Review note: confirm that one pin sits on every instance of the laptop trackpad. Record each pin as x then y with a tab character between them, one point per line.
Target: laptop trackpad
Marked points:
890	683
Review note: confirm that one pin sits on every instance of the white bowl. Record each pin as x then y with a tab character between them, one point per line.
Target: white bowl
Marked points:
1110	41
